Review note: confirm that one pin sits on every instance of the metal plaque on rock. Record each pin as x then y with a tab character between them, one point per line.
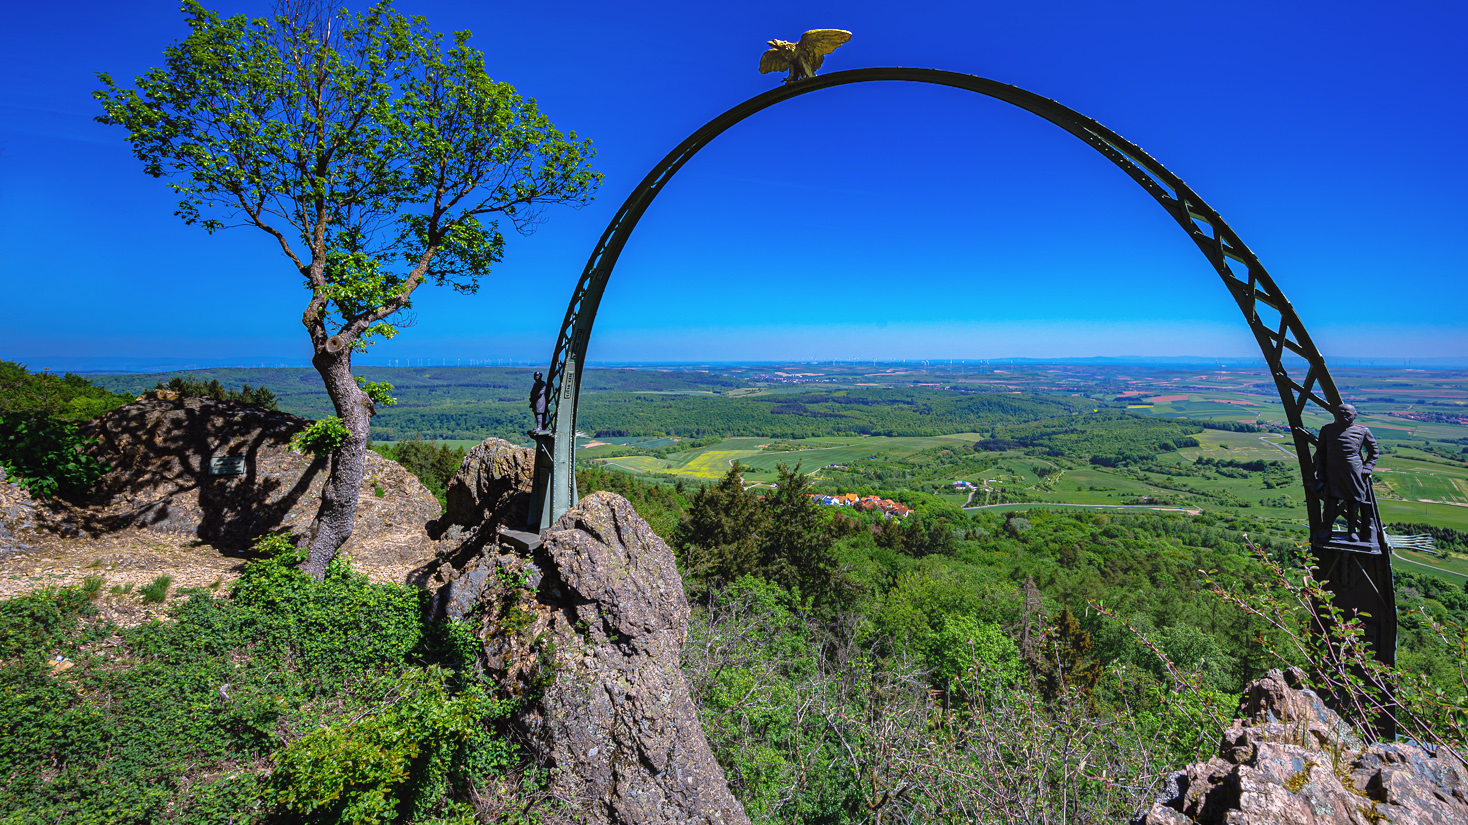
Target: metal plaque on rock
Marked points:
226	465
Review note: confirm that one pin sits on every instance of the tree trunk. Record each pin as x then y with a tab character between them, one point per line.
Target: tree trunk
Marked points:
334	520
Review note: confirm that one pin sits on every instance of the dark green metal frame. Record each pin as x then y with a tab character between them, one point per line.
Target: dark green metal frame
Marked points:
1276	327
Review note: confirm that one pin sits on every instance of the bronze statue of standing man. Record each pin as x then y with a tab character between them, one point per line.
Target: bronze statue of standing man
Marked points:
1343	476
539	403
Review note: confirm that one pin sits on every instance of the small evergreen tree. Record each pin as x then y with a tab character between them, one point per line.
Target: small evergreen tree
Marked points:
1070	664
784	538
719	537
795	550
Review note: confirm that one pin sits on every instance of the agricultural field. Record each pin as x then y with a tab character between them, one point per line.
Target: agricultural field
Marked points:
1249	408
1440	515
639	441
1219	444
639	463
1210	406
714	462
1411	478
857	449
1452	569
763	455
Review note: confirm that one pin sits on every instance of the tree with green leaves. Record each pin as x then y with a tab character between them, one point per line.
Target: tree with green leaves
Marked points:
719	536
40	446
729	533
370	152
795	549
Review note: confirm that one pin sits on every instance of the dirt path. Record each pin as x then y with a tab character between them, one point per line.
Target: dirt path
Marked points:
125	561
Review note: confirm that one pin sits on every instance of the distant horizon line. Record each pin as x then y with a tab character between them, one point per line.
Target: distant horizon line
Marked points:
122	365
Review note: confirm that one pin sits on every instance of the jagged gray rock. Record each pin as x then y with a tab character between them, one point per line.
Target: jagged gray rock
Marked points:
590	632
1289	760
18	516
491	487
25	521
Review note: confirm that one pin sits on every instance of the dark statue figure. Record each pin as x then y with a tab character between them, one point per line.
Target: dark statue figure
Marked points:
539	402
1342	475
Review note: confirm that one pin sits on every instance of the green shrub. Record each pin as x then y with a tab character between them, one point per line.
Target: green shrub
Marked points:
394	759
288	700
281	547
155	591
43	454
40	621
322	438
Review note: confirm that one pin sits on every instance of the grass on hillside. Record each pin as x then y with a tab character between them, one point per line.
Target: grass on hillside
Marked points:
287	700
1440	515
1457	568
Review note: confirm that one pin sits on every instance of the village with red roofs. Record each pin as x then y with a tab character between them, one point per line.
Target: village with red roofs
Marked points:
886	506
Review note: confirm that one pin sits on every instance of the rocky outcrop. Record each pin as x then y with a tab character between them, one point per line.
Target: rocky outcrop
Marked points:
1289	760
160	449
490	492
492	486
590	631
19	516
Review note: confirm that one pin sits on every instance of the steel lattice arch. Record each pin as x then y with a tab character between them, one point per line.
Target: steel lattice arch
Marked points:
1361	581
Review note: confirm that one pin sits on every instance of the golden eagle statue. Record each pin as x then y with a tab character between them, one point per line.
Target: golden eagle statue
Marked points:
803	58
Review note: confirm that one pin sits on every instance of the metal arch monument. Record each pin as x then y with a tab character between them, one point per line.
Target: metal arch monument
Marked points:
1360	577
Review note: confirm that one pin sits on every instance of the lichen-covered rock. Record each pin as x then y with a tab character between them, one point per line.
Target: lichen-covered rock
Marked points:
492	486
26	521
1289	760
18	516
160	449
591	631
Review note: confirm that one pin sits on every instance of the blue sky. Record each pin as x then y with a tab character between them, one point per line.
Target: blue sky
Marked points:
868	221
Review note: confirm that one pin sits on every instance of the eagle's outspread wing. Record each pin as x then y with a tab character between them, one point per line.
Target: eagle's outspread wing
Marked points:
820	42
774	59
804	58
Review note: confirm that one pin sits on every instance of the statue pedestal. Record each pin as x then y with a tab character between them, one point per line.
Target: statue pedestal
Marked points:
540	491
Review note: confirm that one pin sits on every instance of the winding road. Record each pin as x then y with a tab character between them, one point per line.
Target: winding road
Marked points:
1275	444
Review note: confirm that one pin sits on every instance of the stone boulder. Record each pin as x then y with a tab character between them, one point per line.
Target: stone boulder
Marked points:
19	516
590	631
1289	760
160	447
491	487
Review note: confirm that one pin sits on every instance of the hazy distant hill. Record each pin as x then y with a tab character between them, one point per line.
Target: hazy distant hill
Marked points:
439	402
300	390
475	402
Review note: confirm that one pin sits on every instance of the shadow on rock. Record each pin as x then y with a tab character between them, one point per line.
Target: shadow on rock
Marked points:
163	478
